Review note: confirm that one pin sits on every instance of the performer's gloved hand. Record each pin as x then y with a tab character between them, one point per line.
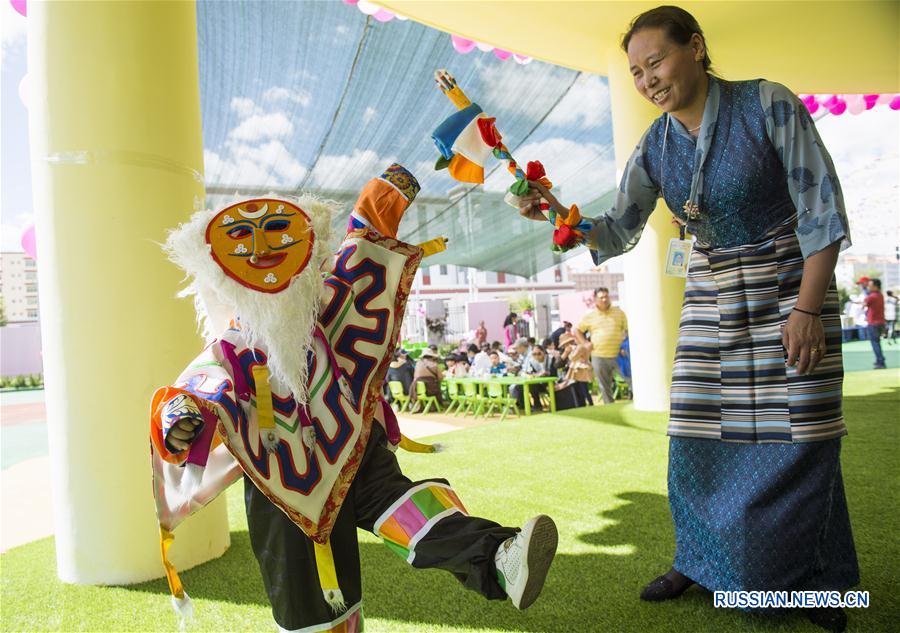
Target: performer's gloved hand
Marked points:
182	434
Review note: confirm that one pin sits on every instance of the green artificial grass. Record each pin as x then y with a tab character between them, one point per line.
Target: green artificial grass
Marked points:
858	355
600	472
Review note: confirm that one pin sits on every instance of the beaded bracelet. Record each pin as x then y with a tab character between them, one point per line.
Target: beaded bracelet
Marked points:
808	312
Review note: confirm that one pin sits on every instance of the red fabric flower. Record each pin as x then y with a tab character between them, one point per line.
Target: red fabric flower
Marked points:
565	237
489	133
535	171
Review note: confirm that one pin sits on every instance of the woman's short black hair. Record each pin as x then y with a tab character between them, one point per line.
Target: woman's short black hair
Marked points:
678	24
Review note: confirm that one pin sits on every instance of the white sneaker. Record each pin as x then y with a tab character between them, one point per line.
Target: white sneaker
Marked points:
523	560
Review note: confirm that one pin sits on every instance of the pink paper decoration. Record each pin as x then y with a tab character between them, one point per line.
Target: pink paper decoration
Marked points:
383	15
830	102
28	242
501	54
895	103
855	104
812	106
839	107
20	6
350	1
870	100
461	44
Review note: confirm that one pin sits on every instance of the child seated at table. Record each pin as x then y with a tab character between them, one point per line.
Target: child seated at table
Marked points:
497	368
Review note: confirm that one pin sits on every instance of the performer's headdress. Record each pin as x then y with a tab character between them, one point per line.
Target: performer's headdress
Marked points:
258	262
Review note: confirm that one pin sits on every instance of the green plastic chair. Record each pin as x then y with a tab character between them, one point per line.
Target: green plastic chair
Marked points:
498	397
472	399
456	398
398	395
422	397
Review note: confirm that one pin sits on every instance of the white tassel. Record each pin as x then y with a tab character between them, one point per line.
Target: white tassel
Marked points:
335	600
191	477
269	439
440	447
308	437
184	609
346	391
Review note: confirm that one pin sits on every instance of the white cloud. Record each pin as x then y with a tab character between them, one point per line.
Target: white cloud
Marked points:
523	90
258	127
583	170
349	171
586	105
14	30
281	94
11	231
369	114
243	164
244	107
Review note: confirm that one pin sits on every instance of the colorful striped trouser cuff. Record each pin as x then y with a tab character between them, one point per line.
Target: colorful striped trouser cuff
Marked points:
411	517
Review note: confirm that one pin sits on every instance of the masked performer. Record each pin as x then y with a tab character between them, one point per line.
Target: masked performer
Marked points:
287	394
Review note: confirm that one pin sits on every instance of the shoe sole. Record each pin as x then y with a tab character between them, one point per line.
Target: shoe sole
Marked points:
541	550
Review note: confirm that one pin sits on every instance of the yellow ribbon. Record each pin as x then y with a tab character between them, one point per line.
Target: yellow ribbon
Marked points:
328	576
264	411
415	447
165	542
433	247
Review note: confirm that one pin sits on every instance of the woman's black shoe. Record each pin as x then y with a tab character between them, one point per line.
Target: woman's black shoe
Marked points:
667	587
829	618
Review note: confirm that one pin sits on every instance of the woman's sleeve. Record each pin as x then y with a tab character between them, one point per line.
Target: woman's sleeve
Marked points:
811	177
619	229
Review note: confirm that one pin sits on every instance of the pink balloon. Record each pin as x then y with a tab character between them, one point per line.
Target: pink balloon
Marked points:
461	44
28	242
870	100
502	54
20	6
895	103
839	107
812	107
383	15
856	106
830	102
884	98
807	100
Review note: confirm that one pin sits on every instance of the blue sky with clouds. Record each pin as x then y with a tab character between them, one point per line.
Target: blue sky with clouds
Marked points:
275	74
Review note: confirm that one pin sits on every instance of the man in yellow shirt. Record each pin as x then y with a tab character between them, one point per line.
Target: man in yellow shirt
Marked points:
608	327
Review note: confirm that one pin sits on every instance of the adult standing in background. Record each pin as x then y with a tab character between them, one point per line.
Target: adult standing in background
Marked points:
607	327
890	315
429	373
510	333
755	484
875	322
480	334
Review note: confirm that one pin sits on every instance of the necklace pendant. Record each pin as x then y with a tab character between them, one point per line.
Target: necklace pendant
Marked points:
691	210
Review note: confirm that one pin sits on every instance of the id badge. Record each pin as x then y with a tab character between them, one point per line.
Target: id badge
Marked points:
678	258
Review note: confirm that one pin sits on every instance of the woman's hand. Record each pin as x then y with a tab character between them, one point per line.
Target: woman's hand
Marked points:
529	204
804	339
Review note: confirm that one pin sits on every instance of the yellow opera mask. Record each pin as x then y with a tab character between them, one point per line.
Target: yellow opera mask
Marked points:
262	243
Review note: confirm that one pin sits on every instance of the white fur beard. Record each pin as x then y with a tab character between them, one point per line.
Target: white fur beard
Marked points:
279	323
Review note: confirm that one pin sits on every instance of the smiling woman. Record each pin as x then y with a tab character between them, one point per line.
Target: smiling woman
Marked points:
756	383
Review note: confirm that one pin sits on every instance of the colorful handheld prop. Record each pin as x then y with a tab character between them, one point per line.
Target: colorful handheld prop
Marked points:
466	140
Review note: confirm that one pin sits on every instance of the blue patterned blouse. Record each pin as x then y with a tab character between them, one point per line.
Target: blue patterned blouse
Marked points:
757	161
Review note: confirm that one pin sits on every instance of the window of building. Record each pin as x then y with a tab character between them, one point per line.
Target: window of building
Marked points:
31	288
32	301
501	278
31	275
32	314
442	269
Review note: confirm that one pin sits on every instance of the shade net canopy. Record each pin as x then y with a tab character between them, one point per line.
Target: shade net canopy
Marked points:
316	96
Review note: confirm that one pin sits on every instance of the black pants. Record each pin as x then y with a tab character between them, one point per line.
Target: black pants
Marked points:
461	544
582	393
518	392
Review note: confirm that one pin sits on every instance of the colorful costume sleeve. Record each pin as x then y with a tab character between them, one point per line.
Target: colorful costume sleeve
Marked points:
812	179
619	230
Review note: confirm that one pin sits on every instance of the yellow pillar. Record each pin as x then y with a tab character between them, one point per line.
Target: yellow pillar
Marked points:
117	157
653	300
